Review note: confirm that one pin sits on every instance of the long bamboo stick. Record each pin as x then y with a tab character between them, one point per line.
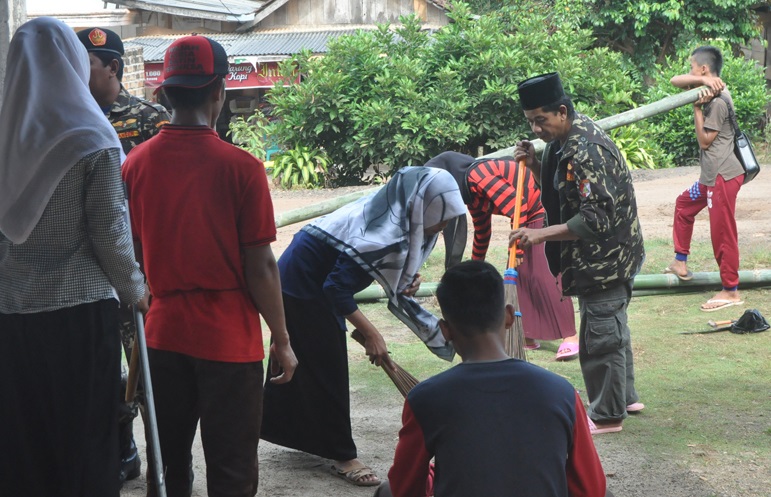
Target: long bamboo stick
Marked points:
644	284
616	121
631	116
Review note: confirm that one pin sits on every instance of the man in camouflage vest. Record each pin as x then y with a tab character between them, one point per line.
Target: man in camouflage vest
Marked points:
593	239
135	120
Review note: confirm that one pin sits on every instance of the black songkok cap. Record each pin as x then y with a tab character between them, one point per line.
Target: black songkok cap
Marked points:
540	91
101	40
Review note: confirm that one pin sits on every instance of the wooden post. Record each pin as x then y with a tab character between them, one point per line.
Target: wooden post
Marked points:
421	10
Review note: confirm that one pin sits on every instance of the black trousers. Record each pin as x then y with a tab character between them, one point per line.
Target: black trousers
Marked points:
60	382
312	413
226	398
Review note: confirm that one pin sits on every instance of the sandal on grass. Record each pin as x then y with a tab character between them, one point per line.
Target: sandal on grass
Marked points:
566	351
356	475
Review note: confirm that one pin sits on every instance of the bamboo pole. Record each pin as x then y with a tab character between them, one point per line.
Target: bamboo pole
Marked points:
644	284
319	209
631	116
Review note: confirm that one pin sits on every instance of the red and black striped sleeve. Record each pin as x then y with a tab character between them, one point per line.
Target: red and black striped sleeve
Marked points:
493	185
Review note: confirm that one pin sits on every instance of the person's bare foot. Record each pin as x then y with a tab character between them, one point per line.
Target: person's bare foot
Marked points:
723	298
679	269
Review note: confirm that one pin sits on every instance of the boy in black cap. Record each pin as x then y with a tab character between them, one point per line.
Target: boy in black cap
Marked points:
202	220
135	120
593	239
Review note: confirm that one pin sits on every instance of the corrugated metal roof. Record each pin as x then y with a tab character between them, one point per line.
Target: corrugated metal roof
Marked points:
241	10
246	44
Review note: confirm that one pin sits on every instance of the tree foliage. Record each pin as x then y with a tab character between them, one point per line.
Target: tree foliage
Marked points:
391	98
648	31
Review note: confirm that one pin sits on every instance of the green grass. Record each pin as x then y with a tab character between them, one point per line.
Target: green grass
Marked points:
708	397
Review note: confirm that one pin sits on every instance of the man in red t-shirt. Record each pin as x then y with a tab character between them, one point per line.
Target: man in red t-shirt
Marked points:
202	220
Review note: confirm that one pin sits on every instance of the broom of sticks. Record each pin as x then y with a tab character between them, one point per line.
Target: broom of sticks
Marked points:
403	380
514	339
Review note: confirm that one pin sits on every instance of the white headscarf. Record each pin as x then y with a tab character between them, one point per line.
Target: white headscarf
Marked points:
48	122
385	234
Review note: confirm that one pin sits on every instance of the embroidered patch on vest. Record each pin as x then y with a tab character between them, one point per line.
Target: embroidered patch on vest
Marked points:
585	189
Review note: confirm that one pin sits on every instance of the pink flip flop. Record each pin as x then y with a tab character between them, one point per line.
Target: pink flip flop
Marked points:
567	351
532	346
596	429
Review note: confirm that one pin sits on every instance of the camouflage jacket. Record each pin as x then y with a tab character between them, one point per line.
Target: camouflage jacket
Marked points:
587	185
136	120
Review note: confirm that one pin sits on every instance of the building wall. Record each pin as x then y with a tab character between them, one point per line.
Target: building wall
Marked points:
134	71
154	23
305	13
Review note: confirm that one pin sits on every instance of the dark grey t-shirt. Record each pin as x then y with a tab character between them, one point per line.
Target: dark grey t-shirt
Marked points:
719	157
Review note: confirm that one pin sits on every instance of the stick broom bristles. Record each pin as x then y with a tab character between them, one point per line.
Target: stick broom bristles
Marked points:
403	380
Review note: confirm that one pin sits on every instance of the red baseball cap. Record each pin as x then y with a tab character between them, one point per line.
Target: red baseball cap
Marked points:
193	62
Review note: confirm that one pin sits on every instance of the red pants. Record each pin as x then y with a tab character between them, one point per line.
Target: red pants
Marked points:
721	202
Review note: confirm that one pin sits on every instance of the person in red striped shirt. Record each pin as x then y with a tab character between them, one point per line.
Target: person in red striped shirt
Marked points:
488	187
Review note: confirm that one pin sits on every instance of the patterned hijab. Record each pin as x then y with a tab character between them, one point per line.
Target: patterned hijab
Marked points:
48	122
385	234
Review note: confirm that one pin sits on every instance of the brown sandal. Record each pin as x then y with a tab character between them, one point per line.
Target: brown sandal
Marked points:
355	475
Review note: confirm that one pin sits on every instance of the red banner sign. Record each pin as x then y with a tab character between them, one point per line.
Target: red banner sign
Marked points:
243	75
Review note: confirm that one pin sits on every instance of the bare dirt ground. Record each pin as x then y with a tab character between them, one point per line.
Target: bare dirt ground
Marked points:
630	473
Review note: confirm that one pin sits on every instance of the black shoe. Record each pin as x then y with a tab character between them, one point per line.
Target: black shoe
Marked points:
130	467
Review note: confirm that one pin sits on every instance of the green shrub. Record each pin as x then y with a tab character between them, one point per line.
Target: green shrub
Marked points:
638	150
301	166
744	79
251	134
394	98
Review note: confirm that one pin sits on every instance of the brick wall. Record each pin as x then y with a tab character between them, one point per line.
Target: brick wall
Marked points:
134	71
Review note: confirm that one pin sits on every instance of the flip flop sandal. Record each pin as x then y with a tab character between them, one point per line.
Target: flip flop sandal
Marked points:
596	429
532	346
723	303
354	476
567	351
688	276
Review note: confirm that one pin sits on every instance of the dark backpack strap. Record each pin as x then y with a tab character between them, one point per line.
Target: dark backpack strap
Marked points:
731	114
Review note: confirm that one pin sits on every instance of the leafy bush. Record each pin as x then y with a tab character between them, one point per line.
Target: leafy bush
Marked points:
648	31
394	98
744	79
251	134
638	150
301	166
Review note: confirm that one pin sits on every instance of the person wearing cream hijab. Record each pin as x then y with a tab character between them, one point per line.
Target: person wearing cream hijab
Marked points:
66	256
385	237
